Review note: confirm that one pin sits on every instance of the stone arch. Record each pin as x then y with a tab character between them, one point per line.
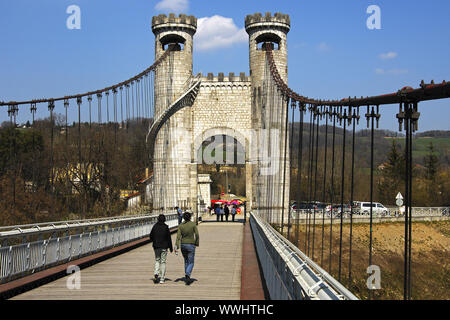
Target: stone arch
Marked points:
217	131
175	39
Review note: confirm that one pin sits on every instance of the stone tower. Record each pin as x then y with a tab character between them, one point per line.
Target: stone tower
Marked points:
172	177
234	106
268	122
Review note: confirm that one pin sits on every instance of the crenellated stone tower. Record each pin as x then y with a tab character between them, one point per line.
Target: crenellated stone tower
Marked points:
172	157
268	120
229	105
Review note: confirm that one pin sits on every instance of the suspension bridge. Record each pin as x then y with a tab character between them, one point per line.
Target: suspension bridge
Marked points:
151	128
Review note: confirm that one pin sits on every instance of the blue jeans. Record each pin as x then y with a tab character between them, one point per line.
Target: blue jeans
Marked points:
180	219
188	251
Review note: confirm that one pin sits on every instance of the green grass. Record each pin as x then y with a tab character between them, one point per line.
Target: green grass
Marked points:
420	145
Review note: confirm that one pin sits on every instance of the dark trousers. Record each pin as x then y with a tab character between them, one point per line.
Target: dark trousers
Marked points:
221	217
232	216
217	216
226	216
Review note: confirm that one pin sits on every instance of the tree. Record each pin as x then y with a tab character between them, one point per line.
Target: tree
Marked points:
392	175
431	162
432	183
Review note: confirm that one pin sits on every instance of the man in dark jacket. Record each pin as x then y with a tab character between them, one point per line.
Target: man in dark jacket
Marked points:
162	241
227	212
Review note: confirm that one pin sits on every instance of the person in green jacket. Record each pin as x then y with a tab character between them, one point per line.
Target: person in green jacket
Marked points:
187	240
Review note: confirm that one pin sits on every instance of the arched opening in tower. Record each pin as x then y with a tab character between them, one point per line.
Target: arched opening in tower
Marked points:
222	157
173	39
268	39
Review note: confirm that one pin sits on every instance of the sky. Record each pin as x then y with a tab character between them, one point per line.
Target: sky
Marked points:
332	53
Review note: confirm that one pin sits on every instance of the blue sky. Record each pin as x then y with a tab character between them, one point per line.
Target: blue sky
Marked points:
331	52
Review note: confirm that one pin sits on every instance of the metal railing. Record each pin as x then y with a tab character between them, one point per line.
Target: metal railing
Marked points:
288	272
426	211
30	256
392	212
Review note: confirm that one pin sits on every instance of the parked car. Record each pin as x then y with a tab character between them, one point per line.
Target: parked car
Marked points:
337	208
377	208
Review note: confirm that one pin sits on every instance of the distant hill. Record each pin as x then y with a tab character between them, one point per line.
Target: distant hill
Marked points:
382	143
434	134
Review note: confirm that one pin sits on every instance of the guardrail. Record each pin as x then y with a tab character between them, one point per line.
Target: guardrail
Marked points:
392	212
288	272
31	255
424	211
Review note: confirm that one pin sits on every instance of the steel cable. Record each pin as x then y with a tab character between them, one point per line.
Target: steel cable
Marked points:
308	210
332	187
286	131
355	118
371	116
291	161
324	197
345	119
317	112
301	110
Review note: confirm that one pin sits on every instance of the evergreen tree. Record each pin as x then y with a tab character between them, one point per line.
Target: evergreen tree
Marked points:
392	176
432	181
431	163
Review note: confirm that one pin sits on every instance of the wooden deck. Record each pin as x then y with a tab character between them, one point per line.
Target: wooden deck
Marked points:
217	273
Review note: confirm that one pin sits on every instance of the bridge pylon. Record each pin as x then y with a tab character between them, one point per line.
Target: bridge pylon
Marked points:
268	114
172	154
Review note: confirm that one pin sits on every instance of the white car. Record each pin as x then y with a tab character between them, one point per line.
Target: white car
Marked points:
377	208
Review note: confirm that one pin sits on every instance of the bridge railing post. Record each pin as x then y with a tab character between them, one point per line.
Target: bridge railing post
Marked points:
245	212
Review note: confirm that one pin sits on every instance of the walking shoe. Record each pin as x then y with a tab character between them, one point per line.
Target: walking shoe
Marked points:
156	279
188	280
161	281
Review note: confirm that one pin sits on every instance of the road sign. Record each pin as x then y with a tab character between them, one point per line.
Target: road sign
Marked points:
399	199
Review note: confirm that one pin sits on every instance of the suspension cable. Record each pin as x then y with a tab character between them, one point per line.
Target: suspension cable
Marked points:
91	93
286	131
345	119
355	120
301	110
334	114
372	129
326	113
310	153
317	112
291	161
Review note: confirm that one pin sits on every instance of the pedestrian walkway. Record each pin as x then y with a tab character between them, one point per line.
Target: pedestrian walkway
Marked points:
217	272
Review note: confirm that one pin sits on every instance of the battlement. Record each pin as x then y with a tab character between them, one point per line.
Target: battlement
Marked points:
210	77
164	21
258	20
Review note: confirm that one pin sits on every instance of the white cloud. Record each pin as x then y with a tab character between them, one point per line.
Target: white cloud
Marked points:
175	6
388	55
392	71
301	45
217	32
323	47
